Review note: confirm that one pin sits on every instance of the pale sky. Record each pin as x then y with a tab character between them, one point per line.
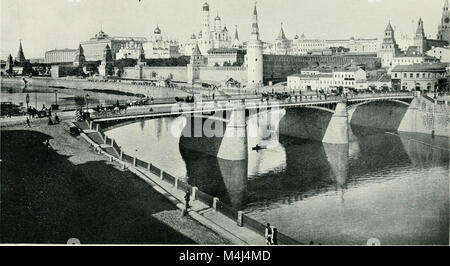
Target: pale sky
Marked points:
48	24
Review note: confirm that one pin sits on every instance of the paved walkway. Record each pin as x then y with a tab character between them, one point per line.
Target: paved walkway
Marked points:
201	212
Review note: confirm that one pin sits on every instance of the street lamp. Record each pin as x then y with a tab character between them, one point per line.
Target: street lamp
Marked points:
27	99
56	99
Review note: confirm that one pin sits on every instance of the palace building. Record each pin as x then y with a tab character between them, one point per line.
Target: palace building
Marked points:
94	47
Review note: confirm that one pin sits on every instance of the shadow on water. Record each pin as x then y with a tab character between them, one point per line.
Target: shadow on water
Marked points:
221	178
47	199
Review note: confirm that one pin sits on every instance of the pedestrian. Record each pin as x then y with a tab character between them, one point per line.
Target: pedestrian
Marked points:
56	119
274	237
268	234
50	122
187	198
28	122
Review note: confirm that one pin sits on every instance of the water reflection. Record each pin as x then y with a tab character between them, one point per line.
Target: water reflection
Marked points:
314	191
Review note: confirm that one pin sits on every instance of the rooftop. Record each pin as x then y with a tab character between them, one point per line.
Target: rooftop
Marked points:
425	67
63	50
321	75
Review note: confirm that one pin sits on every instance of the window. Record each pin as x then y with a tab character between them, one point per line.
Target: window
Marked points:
411	75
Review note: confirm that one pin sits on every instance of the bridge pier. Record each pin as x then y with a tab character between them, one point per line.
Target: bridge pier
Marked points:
408	123
337	130
234	142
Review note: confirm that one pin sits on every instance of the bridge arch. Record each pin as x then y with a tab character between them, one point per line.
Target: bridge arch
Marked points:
306	122
380	113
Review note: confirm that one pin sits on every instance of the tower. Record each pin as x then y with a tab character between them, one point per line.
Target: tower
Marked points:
282	43
205	42
79	58
236	42
9	65
217	23
254	55
444	27
106	66
419	38
193	68
20	56
389	48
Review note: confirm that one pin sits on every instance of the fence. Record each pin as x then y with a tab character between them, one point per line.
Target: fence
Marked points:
127	158
141	163
201	196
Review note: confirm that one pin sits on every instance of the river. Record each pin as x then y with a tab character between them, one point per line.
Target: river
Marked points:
384	185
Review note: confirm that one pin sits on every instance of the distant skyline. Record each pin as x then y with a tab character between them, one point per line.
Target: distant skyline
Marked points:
48	24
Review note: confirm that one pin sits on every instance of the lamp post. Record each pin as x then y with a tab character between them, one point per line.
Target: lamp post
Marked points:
27	99
56	99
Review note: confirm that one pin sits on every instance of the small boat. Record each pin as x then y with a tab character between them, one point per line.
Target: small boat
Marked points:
258	147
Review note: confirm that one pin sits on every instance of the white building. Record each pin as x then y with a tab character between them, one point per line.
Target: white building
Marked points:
326	80
159	46
441	53
409	59
131	50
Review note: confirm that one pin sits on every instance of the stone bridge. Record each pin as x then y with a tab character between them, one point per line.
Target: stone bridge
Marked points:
220	128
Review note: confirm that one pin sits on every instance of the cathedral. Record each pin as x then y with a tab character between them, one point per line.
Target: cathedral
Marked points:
160	46
444	27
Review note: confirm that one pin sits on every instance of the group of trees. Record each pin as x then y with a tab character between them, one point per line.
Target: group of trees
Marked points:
228	64
179	61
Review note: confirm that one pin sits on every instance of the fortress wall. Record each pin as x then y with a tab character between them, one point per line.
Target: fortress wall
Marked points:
220	74
152	73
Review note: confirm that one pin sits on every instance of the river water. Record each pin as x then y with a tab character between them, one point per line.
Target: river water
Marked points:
384	185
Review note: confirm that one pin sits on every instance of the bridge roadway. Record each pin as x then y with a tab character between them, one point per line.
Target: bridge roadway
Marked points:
176	109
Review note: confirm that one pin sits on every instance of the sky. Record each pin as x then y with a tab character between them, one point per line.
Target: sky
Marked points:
48	24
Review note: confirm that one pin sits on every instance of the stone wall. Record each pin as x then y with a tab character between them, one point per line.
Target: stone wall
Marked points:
153	73
217	75
83	84
425	116
278	67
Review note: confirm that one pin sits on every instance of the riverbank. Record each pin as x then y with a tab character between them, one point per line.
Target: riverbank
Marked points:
84	84
51	193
